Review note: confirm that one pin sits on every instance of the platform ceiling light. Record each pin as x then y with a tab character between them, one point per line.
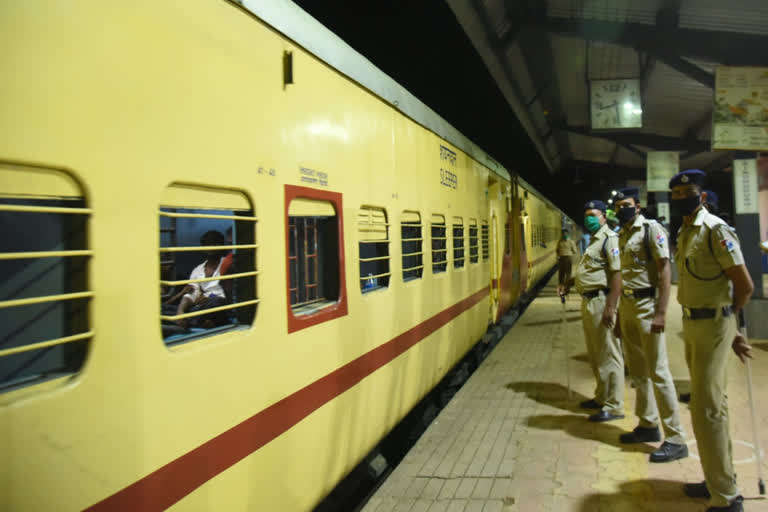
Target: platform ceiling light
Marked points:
610	201
613	192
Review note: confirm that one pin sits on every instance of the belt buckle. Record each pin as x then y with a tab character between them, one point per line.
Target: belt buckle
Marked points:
627	292
687	312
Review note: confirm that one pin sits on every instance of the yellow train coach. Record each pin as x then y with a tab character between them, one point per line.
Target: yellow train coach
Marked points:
235	255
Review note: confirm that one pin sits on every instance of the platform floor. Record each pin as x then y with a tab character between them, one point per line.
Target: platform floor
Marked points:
512	440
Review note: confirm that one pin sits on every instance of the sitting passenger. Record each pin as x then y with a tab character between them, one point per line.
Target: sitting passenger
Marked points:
207	294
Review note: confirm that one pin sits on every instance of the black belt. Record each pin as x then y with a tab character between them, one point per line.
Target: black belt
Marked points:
594	293
641	293
703	313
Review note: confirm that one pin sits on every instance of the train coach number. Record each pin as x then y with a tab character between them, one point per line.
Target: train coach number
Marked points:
448	179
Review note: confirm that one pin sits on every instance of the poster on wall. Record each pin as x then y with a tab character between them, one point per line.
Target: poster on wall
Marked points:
740	116
661	166
745	186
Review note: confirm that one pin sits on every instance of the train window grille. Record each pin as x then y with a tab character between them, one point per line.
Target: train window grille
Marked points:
508	238
484	240
413	255
189	238
313	262
44	293
373	230
458	242
439	242
473	247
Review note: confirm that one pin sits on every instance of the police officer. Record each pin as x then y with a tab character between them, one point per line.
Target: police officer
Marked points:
644	271
566	251
598	280
710	264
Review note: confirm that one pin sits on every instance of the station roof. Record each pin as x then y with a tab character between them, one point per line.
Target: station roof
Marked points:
542	56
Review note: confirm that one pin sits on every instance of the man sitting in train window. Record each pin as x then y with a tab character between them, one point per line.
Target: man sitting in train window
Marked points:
207	294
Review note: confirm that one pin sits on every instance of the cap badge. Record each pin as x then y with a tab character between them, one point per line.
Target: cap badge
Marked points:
684	179
591	204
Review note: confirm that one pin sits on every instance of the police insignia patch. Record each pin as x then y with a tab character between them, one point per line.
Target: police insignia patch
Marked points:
727	244
615	251
591	204
684	179
660	239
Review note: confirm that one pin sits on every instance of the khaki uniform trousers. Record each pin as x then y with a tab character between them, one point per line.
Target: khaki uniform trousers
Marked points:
707	348
649	369
564	265
605	356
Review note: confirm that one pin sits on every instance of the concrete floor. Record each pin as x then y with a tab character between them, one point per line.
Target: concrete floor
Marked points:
512	439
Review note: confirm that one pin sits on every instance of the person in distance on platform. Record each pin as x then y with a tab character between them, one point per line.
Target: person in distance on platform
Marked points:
598	280
709	263
566	251
645	270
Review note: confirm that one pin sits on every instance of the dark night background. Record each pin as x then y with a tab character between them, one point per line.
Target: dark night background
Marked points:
421	45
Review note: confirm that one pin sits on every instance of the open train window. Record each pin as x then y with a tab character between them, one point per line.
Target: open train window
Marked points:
484	240
458	242
315	262
413	255
373	231
473	249
439	242
44	294
207	262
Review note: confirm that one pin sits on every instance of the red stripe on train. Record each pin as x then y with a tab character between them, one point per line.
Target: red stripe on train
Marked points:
172	482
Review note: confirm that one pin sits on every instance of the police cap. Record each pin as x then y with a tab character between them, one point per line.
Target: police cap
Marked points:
627	192
689	177
595	205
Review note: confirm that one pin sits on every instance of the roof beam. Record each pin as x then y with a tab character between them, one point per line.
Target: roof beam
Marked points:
731	48
651	140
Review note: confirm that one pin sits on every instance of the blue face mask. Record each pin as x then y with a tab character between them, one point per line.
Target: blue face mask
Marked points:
592	223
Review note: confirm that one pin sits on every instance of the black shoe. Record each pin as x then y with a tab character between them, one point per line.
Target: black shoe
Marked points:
735	506
605	416
590	404
696	490
668	452
641	435
685	397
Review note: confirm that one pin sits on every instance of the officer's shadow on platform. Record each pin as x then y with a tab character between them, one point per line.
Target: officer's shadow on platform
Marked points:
642	495
576	424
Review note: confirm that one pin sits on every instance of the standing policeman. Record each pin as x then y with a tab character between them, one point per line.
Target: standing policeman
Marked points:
710	264
644	271
598	280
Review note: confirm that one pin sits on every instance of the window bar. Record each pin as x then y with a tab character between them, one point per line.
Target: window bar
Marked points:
210	310
44	254
43	344
44	209
293	258
207	216
206	279
46	298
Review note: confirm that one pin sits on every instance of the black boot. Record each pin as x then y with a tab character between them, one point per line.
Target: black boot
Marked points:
668	452
641	435
696	490
590	404
735	506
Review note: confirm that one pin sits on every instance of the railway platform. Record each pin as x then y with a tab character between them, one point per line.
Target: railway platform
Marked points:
512	439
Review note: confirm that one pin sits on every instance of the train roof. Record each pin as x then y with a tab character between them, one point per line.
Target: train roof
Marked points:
296	24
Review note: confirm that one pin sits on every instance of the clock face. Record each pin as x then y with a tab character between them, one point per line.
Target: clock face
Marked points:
615	104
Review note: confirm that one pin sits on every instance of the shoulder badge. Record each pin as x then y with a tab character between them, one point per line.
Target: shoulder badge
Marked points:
615	251
727	245
660	239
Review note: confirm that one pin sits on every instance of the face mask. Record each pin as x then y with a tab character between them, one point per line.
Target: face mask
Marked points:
592	223
685	206
566	237
626	214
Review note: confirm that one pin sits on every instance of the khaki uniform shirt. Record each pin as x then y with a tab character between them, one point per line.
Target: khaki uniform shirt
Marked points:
566	248
638	267
596	265
704	249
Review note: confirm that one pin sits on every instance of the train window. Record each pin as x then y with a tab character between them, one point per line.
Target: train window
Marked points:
315	262
44	319
473	252
484	240
373	231
439	242
207	262
413	255
458	242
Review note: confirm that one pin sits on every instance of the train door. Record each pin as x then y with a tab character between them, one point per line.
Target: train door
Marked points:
525	224
495	265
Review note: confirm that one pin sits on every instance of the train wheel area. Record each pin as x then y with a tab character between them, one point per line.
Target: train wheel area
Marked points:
513	440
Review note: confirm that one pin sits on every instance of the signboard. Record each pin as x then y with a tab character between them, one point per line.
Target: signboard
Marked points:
661	166
662	210
745	186
740	116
